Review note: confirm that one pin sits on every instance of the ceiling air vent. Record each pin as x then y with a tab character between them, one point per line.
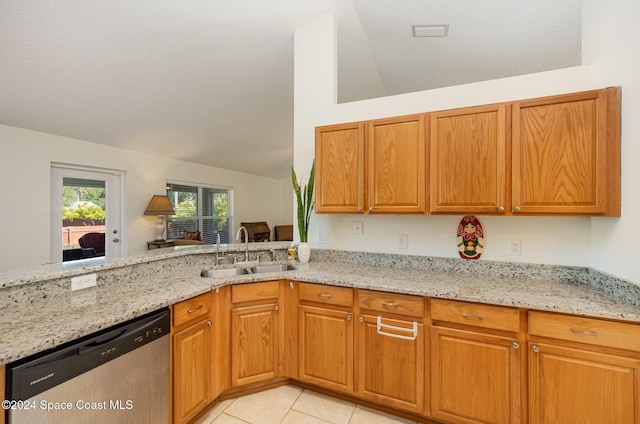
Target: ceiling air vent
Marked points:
430	30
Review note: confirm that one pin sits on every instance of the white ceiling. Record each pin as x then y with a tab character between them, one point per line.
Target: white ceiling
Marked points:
211	81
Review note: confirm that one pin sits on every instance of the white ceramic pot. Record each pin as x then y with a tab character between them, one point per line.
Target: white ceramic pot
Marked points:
304	252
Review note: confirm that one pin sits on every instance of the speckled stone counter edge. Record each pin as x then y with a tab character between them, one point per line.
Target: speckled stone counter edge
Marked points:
48	281
623	289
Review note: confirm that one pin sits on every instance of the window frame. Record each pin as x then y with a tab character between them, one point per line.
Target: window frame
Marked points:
200	220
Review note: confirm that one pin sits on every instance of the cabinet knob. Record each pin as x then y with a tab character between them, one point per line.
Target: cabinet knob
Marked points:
515	345
361	319
359	208
209	323
535	349
370	208
517	209
348	317
275	308
501	209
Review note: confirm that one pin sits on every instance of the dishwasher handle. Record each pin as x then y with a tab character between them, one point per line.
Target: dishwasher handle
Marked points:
128	337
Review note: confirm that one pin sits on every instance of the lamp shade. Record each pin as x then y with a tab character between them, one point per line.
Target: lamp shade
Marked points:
159	205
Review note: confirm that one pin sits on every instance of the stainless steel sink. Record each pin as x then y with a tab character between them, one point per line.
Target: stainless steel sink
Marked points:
258	269
224	272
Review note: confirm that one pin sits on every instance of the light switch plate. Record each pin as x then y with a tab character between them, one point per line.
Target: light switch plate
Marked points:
83	282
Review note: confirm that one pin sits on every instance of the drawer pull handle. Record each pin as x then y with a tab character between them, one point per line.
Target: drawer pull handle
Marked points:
413	331
385	303
192	310
585	332
324	294
466	315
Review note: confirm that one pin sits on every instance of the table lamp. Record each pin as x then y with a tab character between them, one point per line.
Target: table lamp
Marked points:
160	206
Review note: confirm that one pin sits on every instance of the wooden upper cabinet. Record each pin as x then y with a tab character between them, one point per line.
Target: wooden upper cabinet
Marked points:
557	155
340	168
396	160
468	160
566	154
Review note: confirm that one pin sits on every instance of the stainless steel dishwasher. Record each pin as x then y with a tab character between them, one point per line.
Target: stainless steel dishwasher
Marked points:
119	375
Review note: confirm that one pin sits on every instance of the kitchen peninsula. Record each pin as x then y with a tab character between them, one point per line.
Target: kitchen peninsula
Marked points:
39	311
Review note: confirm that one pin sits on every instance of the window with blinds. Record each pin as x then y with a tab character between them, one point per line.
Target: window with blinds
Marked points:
206	209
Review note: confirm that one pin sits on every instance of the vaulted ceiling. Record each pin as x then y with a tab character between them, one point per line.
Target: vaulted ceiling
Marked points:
211	81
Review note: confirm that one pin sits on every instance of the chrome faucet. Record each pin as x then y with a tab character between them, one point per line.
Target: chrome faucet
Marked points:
246	242
218	257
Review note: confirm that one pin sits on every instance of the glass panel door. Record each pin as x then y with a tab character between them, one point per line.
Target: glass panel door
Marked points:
86	213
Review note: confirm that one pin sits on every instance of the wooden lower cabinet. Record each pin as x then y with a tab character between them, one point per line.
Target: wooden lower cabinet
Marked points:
455	362
2	391
569	385
255	332
191	370
390	370
254	344
475	377
192	351
326	348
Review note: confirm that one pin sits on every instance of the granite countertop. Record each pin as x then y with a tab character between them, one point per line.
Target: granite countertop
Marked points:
29	326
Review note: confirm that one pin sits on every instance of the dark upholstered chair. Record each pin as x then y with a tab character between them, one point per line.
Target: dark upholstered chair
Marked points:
95	241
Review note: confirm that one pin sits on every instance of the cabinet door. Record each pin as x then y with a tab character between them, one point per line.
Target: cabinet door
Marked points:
191	371
468	160
339	166
564	154
475	377
390	369
2	391
396	165
326	348
254	344
572	386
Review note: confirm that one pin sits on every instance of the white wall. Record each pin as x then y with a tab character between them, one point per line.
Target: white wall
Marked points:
610	44
25	161
553	240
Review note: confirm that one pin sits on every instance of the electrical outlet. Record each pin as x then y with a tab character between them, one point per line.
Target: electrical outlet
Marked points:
515	248
357	228
403	241
83	282
323	237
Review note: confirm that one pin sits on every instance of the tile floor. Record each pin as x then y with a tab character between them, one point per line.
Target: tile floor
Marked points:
293	405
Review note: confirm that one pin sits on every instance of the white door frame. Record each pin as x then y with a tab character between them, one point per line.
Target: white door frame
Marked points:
115	240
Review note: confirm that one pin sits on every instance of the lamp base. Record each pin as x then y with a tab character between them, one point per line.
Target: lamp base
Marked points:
159	227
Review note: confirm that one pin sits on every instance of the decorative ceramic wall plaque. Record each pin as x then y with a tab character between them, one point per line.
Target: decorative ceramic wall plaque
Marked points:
470	238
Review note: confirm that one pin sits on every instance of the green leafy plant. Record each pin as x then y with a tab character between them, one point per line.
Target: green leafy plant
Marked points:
84	212
304	198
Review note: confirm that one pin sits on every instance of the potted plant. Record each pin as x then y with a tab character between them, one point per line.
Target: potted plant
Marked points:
304	199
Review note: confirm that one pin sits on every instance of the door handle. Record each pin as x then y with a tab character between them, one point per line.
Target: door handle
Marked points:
115	240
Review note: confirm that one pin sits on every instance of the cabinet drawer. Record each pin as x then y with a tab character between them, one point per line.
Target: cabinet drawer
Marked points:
191	309
476	314
255	291
585	330
318	293
402	304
